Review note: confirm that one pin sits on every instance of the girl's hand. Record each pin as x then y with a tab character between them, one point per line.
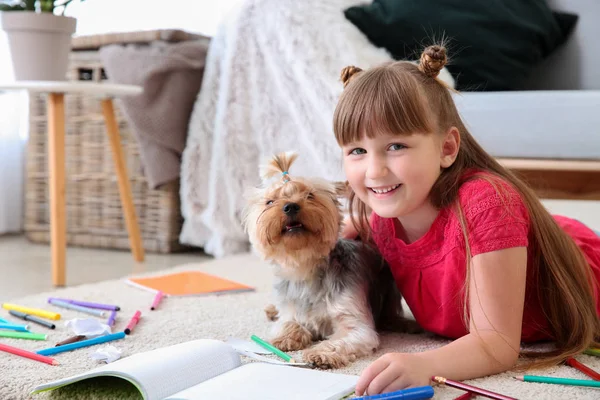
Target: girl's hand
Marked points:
394	371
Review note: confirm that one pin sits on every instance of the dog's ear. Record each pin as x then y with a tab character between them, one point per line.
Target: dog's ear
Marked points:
341	189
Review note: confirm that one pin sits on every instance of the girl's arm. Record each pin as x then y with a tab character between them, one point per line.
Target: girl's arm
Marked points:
496	301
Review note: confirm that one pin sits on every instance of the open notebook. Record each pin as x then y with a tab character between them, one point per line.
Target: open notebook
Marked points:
211	369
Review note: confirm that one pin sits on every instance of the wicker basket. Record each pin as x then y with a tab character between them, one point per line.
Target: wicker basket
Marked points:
94	214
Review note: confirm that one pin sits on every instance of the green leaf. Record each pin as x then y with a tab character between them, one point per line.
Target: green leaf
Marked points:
6	7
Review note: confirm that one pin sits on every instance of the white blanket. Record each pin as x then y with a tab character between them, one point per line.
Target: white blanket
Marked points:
271	83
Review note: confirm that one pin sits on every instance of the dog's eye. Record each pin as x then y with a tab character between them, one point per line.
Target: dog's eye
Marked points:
269	202
310	196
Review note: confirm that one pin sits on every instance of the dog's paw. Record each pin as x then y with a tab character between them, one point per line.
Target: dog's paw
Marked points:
292	337
272	312
326	356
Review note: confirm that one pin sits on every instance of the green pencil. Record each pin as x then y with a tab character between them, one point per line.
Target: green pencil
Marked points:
592	352
272	348
559	381
24	335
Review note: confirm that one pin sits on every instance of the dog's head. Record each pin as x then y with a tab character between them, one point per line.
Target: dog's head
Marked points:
293	220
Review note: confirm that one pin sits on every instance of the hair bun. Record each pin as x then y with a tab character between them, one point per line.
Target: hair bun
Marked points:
347	74
433	60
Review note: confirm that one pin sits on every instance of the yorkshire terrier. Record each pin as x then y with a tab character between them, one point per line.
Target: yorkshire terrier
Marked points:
335	290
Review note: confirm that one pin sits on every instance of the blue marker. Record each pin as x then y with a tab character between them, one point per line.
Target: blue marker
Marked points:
418	393
84	343
14	327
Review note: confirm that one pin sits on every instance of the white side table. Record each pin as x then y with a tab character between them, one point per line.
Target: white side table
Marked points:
56	160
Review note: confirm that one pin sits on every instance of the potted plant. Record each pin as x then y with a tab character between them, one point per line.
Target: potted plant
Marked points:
39	40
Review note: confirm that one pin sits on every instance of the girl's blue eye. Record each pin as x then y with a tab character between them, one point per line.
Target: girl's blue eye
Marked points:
358	151
397	146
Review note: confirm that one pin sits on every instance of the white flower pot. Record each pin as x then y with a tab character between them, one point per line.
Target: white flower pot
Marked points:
39	44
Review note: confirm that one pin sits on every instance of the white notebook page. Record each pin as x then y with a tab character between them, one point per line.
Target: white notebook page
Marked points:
168	370
271	382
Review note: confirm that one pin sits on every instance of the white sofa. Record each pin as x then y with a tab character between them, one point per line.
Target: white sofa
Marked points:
556	122
561	118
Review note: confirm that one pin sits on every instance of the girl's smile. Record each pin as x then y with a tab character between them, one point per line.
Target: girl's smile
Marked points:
382	192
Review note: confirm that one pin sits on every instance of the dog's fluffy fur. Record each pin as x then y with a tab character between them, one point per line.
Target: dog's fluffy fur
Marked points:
335	290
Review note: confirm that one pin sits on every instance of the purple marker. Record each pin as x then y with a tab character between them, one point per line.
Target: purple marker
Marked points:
98	306
111	319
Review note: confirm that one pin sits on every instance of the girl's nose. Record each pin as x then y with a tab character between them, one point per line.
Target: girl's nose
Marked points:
376	168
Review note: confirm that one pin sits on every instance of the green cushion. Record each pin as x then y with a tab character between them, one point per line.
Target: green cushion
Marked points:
492	44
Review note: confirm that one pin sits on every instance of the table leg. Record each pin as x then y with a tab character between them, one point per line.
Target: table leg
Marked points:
112	128
56	171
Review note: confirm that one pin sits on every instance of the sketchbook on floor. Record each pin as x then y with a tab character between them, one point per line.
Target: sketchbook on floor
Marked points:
211	369
188	283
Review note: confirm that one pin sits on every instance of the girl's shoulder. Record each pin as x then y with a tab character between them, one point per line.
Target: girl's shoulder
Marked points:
481	191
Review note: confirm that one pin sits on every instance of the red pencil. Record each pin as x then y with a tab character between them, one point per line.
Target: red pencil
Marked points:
466	396
586	370
472	389
28	354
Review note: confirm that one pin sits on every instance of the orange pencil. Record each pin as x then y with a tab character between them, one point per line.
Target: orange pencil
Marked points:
28	354
586	370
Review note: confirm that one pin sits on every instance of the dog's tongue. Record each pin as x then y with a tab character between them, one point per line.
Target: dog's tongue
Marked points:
294	226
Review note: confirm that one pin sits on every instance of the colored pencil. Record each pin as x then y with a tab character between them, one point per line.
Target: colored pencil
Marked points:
23	335
558	381
592	352
583	368
472	389
112	318
133	322
466	396
157	299
27	354
75	307
4	321
273	349
32	311
14	327
416	393
84	343
72	339
99	306
32	318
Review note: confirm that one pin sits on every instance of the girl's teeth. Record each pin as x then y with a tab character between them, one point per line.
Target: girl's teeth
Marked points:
384	190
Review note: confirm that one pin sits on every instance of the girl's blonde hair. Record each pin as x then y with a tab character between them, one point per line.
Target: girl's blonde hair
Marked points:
404	98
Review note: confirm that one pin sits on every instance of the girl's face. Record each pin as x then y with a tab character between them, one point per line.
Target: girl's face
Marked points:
394	174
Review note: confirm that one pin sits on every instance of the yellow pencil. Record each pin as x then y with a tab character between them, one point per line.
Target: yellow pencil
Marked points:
32	311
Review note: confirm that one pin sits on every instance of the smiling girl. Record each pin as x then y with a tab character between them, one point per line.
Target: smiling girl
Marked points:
475	254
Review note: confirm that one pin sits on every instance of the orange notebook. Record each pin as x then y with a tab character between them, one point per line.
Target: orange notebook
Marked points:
188	283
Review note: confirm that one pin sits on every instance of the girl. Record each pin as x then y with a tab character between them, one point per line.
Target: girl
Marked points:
474	252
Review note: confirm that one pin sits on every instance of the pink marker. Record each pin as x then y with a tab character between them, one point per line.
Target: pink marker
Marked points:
133	322
157	299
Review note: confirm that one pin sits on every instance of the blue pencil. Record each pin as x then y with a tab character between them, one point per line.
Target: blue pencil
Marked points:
418	393
83	343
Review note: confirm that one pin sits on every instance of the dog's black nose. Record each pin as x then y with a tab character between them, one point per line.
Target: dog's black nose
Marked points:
291	208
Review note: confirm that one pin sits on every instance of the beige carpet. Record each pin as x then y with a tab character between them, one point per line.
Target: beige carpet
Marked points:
182	319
